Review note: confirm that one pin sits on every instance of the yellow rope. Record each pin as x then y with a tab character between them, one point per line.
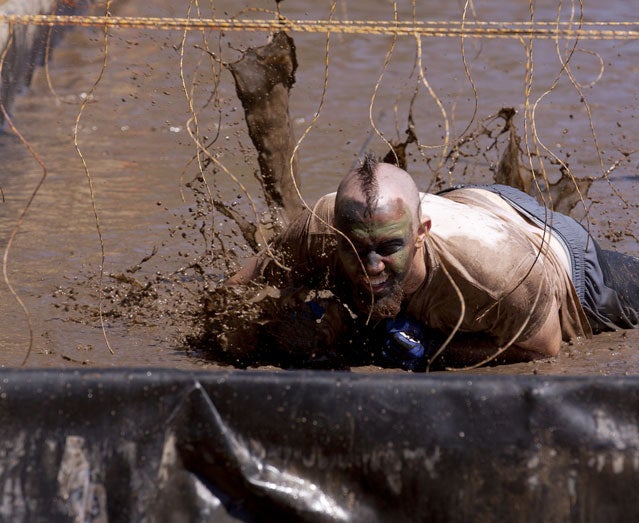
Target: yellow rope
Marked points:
477	29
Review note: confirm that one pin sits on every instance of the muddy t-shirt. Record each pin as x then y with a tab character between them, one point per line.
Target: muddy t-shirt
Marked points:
489	269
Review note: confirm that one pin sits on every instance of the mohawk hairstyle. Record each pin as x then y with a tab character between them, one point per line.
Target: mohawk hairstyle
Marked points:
368	181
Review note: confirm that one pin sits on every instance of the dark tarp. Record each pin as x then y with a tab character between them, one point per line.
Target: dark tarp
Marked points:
162	445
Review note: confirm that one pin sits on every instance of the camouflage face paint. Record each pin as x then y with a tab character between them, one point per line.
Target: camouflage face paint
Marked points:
380	257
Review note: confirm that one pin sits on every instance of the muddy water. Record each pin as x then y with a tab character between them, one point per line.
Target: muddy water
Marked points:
133	202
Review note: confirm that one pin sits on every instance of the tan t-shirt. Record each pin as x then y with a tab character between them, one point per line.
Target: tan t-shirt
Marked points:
489	269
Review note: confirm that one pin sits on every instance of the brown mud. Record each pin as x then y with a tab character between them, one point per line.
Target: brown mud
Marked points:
161	236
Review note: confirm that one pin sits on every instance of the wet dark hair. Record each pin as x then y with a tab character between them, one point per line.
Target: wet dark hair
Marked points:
368	181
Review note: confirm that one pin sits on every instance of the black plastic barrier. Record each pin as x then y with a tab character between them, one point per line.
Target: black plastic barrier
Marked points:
161	445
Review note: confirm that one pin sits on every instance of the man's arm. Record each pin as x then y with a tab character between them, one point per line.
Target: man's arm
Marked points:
471	349
249	272
547	341
304	248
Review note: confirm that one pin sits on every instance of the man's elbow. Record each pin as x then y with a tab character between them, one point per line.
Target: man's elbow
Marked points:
545	344
246	274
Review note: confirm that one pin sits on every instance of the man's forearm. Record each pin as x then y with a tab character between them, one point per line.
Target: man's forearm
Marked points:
248	273
472	349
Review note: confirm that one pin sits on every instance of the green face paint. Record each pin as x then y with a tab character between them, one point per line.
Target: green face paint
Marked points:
378	254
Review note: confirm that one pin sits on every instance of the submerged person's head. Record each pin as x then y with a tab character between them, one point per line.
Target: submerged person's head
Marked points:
377	209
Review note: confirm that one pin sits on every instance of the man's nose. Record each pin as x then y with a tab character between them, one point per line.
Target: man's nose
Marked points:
373	263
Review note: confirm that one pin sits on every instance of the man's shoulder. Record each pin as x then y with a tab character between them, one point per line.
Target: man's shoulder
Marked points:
329	196
321	215
470	196
325	203
464	216
312	221
434	204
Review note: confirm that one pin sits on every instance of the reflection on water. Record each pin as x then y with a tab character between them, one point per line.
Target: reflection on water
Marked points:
133	135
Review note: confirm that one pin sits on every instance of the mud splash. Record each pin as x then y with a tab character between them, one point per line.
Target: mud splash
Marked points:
263	79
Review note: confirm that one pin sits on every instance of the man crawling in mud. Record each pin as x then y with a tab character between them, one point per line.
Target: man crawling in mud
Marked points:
471	275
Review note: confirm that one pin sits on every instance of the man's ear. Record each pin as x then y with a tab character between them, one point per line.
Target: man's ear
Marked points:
423	229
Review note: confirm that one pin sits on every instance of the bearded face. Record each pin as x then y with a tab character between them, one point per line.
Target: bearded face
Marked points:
377	250
380	305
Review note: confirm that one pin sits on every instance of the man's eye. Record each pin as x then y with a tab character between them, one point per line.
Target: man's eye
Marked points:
389	248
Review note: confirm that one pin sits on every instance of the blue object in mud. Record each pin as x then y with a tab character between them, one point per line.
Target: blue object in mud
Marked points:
404	343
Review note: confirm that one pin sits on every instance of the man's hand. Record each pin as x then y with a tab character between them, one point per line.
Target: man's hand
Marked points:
307	334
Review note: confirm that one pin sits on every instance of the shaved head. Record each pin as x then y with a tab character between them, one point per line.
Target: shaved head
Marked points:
374	185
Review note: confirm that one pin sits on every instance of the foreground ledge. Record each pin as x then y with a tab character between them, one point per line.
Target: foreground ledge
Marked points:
317	446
